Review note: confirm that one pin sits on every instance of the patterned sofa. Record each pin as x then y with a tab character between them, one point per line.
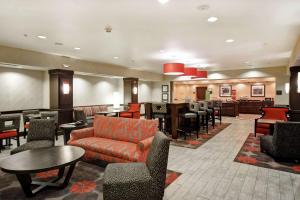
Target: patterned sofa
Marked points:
115	139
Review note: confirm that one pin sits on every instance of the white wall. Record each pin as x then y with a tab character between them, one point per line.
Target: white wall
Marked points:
145	91
21	89
90	90
157	90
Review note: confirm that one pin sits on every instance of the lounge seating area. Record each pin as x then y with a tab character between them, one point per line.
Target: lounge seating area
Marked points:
150	100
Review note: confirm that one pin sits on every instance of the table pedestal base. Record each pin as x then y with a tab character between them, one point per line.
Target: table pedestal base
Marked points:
27	183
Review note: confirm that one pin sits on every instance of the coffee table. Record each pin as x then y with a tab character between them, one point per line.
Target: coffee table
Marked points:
40	160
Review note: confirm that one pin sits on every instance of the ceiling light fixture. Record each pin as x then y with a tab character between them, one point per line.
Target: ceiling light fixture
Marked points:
229	40
190	72
116	57
163	1
174	69
201	75
212	19
76	48
42	37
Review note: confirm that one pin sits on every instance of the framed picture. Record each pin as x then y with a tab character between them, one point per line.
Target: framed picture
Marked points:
165	97
257	90
165	88
225	90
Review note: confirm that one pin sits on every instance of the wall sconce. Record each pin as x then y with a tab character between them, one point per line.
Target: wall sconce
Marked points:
116	100
135	90
287	88
66	88
298	83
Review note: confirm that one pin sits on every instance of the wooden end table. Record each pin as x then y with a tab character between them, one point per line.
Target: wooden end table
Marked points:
68	128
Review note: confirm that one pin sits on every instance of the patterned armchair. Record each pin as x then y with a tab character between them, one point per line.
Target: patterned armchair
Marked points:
273	113
132	112
26	119
285	142
40	135
9	127
144	181
51	115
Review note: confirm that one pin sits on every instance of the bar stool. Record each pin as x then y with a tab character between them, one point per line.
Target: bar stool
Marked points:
187	118
51	115
217	105
209	113
160	112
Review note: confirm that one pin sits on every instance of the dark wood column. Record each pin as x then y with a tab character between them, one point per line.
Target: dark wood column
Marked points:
61	94
131	91
294	95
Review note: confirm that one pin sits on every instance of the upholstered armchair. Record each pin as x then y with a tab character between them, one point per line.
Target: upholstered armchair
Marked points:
51	115
26	119
272	113
41	134
139	181
9	128
285	142
132	112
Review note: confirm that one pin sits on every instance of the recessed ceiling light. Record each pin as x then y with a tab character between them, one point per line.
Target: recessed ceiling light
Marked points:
116	57
77	48
229	40
212	19
163	1
42	37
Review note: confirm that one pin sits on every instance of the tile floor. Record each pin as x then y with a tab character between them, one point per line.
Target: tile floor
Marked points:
210	173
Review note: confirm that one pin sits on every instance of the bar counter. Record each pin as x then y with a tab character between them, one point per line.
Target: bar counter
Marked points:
173	109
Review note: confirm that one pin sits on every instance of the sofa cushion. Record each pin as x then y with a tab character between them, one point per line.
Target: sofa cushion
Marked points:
114	148
124	129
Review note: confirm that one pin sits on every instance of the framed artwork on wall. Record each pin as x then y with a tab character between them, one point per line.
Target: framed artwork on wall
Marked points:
165	97
165	88
225	90
257	90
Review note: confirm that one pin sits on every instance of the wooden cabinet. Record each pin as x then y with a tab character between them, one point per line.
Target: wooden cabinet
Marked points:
230	109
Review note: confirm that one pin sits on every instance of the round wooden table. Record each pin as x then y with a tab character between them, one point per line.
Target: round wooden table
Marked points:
40	160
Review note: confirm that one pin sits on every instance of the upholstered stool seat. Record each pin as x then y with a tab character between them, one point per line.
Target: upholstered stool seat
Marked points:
190	115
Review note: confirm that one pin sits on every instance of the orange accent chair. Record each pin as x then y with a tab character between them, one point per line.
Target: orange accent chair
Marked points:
115	139
132	112
273	113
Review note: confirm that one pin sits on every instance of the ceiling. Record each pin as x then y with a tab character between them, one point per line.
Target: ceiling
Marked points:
145	34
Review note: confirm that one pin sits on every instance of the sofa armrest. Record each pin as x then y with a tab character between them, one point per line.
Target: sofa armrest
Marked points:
82	133
145	144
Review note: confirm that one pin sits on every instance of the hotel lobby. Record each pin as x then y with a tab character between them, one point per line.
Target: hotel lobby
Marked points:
150	99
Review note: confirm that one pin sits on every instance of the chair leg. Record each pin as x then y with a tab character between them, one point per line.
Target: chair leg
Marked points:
206	121
18	140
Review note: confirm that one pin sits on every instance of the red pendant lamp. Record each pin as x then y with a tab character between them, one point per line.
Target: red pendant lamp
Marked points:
190	71
174	69
201	75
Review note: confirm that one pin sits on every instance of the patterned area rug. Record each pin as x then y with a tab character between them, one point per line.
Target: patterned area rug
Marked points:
86	183
193	142
250	154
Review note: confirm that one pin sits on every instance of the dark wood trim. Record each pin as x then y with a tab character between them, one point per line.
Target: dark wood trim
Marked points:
20	111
